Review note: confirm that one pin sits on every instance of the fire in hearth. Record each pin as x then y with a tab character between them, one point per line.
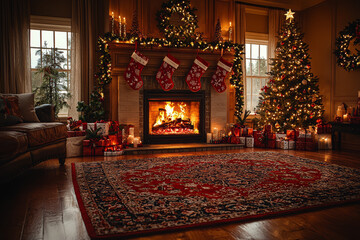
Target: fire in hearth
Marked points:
173	117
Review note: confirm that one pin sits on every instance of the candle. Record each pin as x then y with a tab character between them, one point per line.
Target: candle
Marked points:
136	142
120	26
230	32
112	22
208	137
130	139
131	131
215	134
124	28
345	117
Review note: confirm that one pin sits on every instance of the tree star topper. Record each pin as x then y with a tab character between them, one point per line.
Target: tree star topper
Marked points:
289	15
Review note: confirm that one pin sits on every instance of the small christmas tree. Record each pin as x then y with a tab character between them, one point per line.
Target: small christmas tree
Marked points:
217	35
53	88
134	30
291	98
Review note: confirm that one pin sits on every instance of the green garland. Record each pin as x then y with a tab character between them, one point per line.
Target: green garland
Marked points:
104	74
345	58
188	19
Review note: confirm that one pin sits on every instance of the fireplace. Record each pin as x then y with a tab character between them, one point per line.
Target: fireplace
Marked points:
174	116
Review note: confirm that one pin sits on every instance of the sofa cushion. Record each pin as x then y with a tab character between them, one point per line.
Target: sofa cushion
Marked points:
12	144
40	133
9	110
26	105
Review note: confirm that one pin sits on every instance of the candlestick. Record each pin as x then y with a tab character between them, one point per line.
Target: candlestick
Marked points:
120	26
230	32
112	22
124	28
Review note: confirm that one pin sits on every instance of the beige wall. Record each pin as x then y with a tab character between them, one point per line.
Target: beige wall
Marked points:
321	25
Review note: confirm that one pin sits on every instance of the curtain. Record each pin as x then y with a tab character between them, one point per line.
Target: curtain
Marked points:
15	46
89	21
276	19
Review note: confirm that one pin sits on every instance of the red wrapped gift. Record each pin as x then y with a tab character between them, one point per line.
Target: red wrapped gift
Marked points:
292	134
99	151
71	133
86	142
80	133
87	150
268	128
250	131
235	140
259	139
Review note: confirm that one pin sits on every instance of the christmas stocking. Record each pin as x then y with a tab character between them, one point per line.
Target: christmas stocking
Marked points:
197	70
218	79
164	75
132	73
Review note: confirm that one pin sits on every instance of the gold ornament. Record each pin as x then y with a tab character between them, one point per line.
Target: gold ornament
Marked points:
304	82
277	125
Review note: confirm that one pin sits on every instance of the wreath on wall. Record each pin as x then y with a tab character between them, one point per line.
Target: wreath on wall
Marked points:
347	55
177	20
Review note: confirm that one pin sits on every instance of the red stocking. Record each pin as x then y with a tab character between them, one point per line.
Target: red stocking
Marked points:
164	75
197	70
218	79
132	73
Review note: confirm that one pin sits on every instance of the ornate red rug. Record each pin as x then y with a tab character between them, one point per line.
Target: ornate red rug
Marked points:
126	197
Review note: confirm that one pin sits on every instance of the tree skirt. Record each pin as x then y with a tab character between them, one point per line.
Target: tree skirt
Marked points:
126	197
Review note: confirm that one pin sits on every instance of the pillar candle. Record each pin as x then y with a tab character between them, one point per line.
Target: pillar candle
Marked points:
120	26
131	131
112	22
215	134
124	28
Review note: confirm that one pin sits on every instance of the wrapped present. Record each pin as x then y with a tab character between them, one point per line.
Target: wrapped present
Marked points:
285	144
238	130
249	142
104	128
71	134
279	136
268	128
292	134
80	133
235	140
250	132
259	139
242	140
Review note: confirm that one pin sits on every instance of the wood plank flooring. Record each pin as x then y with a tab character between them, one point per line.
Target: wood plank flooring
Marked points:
41	204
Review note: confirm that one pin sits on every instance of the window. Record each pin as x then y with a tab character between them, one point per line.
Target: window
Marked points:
256	60
44	37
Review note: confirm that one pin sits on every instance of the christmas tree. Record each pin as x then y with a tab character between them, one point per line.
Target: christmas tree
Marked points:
217	35
134	30
291	98
53	88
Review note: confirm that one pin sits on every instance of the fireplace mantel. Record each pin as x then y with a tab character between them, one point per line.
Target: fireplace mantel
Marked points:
120	58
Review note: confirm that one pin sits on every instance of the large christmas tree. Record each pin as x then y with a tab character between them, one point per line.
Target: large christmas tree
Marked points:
291	98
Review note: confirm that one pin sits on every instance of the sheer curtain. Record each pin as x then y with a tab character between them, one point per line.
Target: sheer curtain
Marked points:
88	22
14	46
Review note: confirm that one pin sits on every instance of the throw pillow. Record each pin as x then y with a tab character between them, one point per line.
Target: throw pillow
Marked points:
9	111
26	104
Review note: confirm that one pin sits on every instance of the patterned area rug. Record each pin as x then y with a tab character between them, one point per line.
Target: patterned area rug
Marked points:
126	197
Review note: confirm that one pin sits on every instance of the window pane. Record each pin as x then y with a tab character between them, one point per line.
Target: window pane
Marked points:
254	51
263	51
248	102
35	57
35	80
263	67
247	50
69	40
60	40
63	55
248	85
254	67
34	38
255	102
47	39
69	59
257	85
248	67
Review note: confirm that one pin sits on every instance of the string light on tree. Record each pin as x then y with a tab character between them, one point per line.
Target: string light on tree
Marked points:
292	93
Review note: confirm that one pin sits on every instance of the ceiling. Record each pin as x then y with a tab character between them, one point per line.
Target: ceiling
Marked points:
296	5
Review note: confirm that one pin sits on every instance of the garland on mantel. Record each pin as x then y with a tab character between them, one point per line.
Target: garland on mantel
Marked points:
104	74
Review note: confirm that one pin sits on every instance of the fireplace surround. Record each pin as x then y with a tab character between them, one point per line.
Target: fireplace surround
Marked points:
187	120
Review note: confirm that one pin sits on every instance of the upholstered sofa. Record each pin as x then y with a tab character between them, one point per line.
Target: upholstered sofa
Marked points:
24	145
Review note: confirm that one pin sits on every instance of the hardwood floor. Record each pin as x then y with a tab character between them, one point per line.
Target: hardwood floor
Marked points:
41	204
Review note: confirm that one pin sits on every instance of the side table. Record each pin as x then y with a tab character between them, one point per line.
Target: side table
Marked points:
340	127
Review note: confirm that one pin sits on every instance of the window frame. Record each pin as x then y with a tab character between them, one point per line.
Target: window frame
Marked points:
54	24
258	40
